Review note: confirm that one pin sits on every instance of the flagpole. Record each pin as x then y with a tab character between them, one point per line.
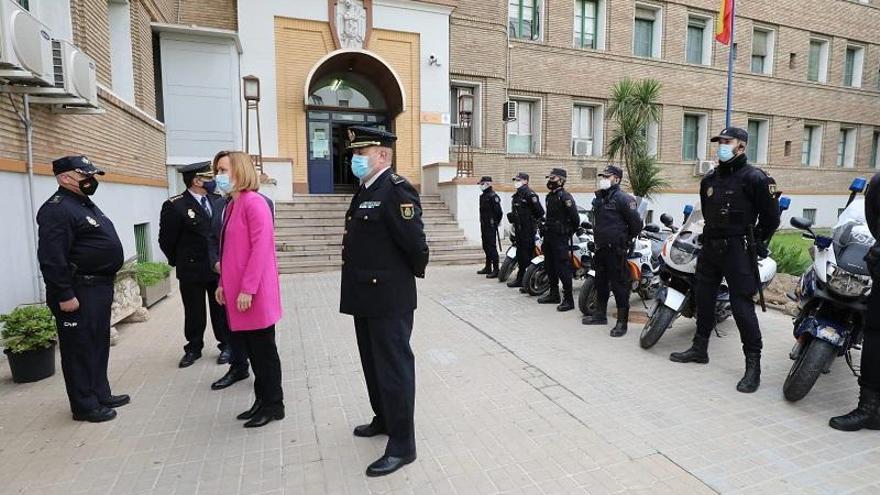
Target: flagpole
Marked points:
730	55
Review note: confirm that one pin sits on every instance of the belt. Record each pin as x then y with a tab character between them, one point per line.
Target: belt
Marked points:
91	280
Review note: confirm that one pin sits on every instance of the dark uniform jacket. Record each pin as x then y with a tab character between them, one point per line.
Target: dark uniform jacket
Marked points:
562	213
872	207
490	209
383	249
616	216
735	195
75	239
189	237
526	210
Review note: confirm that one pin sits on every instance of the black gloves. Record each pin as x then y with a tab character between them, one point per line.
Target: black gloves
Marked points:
761	249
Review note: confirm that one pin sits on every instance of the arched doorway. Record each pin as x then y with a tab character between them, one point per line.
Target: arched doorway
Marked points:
346	88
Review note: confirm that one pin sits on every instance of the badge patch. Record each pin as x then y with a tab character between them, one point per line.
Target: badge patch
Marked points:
568	203
772	188
368	205
92	221
633	205
190	213
534	199
407	211
497	199
710	192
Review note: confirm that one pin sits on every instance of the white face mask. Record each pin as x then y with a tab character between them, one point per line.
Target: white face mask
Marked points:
483	187
518	184
604	183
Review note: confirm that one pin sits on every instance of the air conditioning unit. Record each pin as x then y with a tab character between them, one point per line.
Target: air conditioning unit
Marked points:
25	47
582	147
702	167
510	111
75	74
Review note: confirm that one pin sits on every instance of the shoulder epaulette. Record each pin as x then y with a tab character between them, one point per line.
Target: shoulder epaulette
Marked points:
56	199
175	198
397	179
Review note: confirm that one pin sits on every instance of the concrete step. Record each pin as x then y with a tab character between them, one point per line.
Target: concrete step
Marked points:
336	243
339	214
286	223
341	209
288	231
287	267
334	252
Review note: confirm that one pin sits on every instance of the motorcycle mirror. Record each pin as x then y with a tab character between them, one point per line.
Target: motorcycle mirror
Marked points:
801	223
652	228
858	185
666	220
784	203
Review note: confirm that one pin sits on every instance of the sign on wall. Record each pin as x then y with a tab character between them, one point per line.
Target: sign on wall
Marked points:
351	22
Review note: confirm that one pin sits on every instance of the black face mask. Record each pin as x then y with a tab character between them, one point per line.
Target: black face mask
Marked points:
210	186
553	185
88	186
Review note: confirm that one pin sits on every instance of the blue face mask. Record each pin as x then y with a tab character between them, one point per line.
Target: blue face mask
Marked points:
725	152
360	166
209	186
223	183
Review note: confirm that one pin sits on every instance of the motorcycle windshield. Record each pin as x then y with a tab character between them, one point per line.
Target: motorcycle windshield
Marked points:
694	223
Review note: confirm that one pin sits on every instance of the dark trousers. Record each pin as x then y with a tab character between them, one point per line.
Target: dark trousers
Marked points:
195	317
389	370
727	259
611	277
261	350
525	250
557	261
84	338
238	355
490	247
870	367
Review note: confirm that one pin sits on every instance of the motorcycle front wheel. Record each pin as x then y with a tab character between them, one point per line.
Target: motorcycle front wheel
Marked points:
656	326
587	296
507	267
813	360
535	280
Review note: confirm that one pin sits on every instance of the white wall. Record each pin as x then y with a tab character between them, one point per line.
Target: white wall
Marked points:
121	61
56	15
125	205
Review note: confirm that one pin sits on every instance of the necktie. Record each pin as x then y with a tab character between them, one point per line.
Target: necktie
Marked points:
206	206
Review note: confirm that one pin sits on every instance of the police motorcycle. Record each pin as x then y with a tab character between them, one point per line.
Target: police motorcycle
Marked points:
678	275
509	265
536	280
832	296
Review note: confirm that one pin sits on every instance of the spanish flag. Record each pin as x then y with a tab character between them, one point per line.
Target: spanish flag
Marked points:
724	22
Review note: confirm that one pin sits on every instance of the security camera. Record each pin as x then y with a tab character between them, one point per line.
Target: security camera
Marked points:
432	60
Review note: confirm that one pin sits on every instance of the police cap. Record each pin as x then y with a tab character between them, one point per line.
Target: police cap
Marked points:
611	170
558	172
364	137
732	133
78	163
486	178
200	168
521	176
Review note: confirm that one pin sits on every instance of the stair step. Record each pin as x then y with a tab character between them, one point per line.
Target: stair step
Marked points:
281	224
294	215
326	266
332	252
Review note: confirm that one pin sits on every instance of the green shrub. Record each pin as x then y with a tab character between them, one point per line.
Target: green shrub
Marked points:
28	328
792	259
151	273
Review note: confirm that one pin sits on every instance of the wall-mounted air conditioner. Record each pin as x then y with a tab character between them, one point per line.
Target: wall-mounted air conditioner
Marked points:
702	167
582	147
25	47
509	110
75	74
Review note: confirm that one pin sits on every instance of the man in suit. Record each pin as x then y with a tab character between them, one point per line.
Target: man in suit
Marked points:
384	250
187	236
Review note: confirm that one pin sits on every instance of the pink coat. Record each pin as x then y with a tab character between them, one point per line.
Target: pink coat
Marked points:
248	264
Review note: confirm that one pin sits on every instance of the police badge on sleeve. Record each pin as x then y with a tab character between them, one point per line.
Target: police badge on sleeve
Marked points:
407	211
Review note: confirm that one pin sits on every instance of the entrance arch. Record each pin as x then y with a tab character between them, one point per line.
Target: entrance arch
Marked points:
346	87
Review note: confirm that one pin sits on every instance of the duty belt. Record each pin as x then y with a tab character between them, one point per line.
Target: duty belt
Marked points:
93	280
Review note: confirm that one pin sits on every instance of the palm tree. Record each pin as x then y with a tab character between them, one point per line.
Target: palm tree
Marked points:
633	106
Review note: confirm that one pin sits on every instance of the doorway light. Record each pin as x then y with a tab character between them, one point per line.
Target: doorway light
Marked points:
336	84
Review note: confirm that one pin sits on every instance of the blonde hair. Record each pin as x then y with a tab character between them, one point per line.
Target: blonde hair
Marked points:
242	171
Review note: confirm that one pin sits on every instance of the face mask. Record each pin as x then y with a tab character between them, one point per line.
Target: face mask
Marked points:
88	186
209	186
223	183
360	166
552	185
483	187
518	184
725	152
604	183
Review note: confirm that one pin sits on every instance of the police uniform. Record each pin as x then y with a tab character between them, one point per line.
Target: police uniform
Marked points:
562	222
80	253
490	215
525	214
867	414
616	224
384	250
188	226
733	197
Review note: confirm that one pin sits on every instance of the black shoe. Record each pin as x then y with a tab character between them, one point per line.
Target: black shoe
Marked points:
523	290
231	376
250	413
485	270
866	415
595	319
550	298
188	359
264	416
369	430
698	352
387	464
493	274
224	357
567	305
751	380
115	401
98	415
517	282
619	329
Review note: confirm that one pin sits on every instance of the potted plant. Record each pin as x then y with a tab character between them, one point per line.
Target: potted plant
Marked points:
153	279
29	342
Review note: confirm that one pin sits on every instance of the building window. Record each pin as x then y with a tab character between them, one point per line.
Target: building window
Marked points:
846	147
524	19
758	144
650	133
460	134
25	4
647	32
875	150
852	70
522	133
810	214
586	130
142	242
812	146
817	71
699	41
693	139
762	51
586	23
121	62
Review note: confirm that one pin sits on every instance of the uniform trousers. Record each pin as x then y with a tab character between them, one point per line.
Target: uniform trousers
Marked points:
263	354
525	250
195	319
611	277
488	234
870	364
557	260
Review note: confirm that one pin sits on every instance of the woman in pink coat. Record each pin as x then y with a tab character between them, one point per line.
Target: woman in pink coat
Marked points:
249	286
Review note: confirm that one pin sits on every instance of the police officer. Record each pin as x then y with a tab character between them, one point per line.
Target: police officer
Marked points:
188	237
384	250
617	223
525	215
79	255
490	215
734	197
867	414
562	222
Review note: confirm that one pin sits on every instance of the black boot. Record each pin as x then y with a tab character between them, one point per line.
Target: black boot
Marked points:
598	317
485	270
551	297
516	282
567	302
866	415
751	380
696	354
619	329
494	272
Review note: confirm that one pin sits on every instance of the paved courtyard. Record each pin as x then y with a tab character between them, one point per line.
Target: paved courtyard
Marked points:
512	398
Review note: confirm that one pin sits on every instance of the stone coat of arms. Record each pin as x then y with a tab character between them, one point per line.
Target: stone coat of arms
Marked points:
351	21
